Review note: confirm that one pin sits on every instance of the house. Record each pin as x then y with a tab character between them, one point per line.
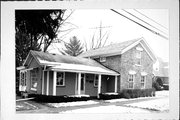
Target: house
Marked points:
161	71
53	74
126	65
133	59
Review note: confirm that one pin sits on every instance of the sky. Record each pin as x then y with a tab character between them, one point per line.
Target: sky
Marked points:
86	22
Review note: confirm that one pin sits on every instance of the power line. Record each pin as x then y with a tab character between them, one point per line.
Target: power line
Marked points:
150	18
144	21
141	25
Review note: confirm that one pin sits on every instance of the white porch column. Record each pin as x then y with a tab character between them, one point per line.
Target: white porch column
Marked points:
54	82
79	83
99	84
42	82
115	86
47	85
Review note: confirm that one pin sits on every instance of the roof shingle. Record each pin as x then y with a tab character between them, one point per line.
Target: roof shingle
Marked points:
55	59
110	49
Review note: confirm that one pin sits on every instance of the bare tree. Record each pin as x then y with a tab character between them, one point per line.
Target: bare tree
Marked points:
98	39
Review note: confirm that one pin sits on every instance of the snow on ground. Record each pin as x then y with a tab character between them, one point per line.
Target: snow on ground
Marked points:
24	106
79	96
163	93
161	104
116	100
112	93
56	105
108	109
158	94
157	105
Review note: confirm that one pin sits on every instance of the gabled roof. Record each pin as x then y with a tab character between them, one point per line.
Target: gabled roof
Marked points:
118	48
69	63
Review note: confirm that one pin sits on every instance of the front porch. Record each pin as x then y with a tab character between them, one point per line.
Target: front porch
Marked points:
78	83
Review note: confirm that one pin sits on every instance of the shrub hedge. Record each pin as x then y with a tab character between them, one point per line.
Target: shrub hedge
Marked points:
58	99
134	93
166	87
103	96
126	93
129	93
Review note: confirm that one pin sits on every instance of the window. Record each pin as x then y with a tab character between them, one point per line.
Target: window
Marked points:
138	61
23	78
131	81
138	54
34	79
102	59
60	79
138	57
143	78
96	80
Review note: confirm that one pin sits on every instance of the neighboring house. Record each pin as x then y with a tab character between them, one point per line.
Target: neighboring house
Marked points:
161	71
133	59
53	74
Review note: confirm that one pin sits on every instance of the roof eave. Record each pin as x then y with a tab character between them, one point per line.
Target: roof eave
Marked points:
82	71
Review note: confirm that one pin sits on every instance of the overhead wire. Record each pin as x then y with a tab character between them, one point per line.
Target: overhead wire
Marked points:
157	33
150	19
144	21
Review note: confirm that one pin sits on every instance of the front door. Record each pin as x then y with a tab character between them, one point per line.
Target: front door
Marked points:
82	85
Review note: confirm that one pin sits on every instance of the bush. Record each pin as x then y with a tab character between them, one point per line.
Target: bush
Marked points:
104	96
166	87
157	86
18	93
57	99
134	93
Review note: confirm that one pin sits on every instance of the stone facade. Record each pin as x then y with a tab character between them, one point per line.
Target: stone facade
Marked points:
126	62
129	63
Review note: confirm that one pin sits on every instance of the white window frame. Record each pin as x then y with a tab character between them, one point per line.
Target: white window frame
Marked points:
102	59
138	57
32	88
143	82
132	82
63	79
138	54
25	77
22	78
96	80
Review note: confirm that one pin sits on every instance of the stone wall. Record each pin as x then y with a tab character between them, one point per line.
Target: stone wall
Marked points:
126	62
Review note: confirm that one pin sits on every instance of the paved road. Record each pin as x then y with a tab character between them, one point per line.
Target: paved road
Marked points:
46	109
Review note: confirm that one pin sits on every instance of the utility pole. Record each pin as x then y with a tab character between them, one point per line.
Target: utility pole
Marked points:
99	41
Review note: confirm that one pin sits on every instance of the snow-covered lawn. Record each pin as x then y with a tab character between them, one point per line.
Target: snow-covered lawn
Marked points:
108	109
79	103
90	102
156	105
161	104
163	93
24	106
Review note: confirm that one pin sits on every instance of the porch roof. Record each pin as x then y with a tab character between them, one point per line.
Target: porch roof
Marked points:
82	68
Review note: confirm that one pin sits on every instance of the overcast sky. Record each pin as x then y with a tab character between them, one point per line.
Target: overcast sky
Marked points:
120	28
